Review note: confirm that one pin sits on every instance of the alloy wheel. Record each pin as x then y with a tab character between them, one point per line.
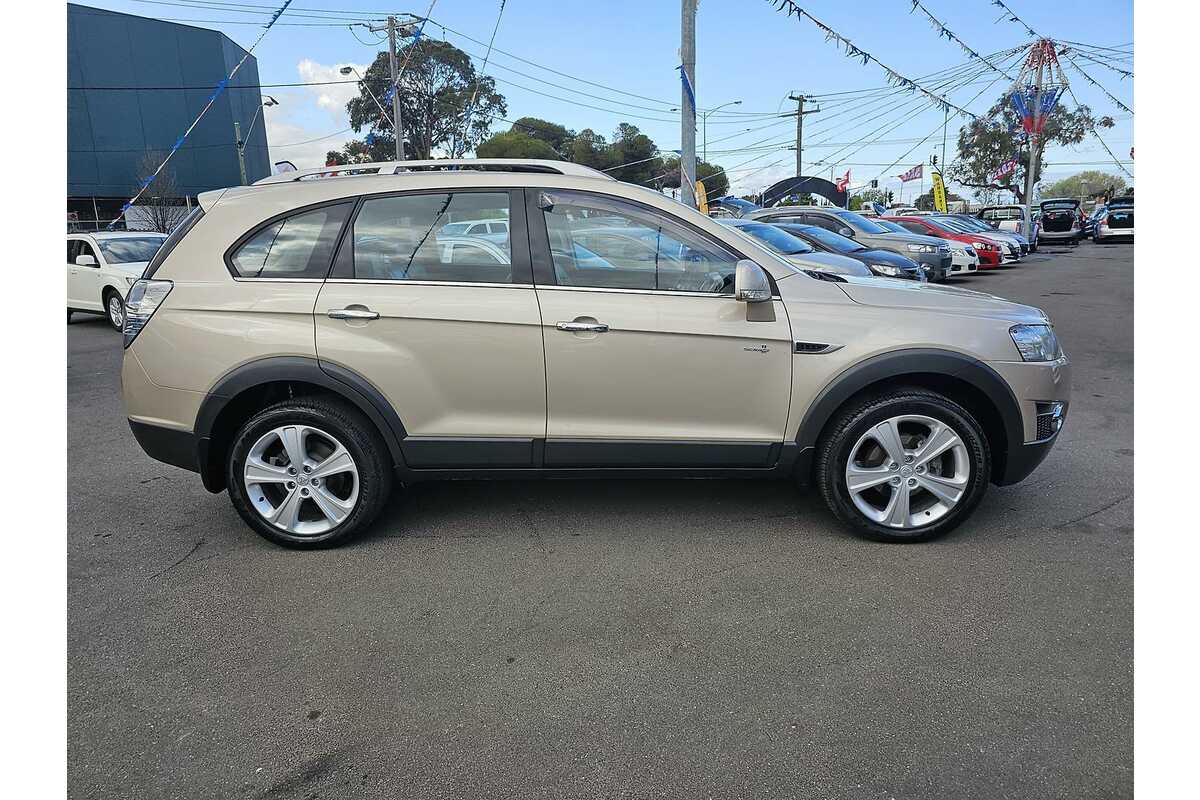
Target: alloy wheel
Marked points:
301	480
116	311
908	471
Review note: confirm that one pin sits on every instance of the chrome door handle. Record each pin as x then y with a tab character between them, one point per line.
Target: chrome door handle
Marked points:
352	313
582	327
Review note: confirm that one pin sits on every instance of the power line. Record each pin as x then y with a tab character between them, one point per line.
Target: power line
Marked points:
942	30
1095	83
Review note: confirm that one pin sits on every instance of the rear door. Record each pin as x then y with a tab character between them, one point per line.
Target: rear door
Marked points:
450	335
83	282
650	361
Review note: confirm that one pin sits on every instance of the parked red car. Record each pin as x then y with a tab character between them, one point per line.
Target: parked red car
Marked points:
987	250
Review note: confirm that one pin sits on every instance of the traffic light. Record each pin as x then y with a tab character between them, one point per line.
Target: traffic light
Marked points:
874	183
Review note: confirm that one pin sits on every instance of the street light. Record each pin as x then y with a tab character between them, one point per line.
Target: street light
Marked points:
237	133
346	70
704	123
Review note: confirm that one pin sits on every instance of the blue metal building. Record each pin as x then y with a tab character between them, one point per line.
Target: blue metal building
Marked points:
134	85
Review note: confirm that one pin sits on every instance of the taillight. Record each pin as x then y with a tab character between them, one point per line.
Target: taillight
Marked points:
145	296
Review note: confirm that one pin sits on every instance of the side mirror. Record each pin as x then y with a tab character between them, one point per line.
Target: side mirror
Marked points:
750	283
844	231
85	261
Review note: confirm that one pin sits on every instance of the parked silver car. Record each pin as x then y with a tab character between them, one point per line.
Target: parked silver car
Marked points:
796	250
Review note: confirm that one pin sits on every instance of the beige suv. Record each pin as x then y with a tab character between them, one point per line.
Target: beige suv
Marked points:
310	341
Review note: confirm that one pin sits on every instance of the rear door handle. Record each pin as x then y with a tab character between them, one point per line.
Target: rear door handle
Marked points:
352	313
582	327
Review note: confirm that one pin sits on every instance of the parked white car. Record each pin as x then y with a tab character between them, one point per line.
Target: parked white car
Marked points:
964	259
102	266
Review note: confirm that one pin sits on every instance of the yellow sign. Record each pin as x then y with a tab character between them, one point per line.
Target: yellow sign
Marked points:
701	198
939	193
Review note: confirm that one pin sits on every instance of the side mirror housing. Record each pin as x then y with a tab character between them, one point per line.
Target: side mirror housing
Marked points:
85	261
750	283
849	234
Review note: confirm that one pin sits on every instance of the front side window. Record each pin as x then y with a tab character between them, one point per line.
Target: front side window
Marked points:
428	237
610	244
299	246
859	222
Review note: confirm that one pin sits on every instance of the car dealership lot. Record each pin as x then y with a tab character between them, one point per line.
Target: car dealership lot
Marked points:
588	638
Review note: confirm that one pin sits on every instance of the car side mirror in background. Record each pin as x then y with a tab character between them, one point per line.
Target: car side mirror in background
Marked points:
849	234
85	261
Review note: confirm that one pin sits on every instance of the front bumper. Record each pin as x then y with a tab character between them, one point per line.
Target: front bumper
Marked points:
961	263
1042	390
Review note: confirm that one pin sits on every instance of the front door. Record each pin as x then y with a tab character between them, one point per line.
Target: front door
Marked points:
83	282
443	322
650	361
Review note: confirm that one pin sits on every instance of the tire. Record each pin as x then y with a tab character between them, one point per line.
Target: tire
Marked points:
851	432
114	310
326	423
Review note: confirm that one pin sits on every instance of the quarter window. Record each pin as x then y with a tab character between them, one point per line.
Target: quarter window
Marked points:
429	237
609	244
300	246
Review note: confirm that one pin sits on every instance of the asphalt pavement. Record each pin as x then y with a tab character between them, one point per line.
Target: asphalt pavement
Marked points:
554	639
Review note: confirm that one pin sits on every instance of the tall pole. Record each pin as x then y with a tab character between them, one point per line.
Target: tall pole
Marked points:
1039	54
687	54
800	112
391	26
945	123
237	136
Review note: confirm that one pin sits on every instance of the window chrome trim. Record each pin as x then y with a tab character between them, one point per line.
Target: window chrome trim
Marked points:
480	284
658	292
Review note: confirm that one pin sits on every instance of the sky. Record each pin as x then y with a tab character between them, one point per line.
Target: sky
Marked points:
594	65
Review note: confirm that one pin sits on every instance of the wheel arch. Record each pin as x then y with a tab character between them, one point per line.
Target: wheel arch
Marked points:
255	385
967	381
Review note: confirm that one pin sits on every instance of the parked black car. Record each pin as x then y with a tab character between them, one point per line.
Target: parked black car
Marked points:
881	262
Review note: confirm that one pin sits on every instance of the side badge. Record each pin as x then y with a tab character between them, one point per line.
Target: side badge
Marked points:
762	348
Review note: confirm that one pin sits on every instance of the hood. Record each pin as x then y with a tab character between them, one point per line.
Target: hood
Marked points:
134	268
876	256
829	262
937	298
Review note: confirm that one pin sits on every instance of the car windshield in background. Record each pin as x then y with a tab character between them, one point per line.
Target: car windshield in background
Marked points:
130	250
776	239
832	240
888	225
860	222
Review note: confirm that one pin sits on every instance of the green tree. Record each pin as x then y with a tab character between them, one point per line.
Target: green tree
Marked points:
637	153
995	137
716	182
558	137
883	196
591	149
515	144
1087	183
436	91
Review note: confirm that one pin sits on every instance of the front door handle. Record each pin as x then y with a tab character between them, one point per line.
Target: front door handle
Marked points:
353	312
582	327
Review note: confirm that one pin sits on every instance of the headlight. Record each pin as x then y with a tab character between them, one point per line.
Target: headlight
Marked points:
1035	342
891	270
969	251
981	246
921	248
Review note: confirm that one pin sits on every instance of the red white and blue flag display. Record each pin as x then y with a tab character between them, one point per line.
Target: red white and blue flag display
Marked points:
916	172
844	182
1004	170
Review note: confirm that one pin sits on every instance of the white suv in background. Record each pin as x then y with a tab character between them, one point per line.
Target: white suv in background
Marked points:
102	266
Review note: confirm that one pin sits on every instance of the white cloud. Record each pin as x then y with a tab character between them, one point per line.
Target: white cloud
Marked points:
331	97
294	143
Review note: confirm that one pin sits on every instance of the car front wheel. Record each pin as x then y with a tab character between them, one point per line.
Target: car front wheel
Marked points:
114	309
308	473
906	466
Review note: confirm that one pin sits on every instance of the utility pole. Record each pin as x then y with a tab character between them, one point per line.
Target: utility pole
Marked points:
237	137
1039	54
800	112
392	27
687	55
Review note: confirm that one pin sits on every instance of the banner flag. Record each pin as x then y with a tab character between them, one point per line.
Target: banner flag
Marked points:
939	193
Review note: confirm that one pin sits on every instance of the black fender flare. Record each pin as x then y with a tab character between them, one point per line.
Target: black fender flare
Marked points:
897	364
345	383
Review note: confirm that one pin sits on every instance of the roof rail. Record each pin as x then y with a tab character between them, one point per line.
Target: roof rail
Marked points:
543	166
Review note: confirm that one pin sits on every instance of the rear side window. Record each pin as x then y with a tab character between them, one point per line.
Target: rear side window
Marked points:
299	246
428	237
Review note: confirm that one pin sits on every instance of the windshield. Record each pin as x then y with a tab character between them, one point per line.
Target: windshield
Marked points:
834	241
887	224
973	224
129	250
859	222
776	239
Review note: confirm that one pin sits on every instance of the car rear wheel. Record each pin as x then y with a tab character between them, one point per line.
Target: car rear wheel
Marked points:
308	473
907	466
114	310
